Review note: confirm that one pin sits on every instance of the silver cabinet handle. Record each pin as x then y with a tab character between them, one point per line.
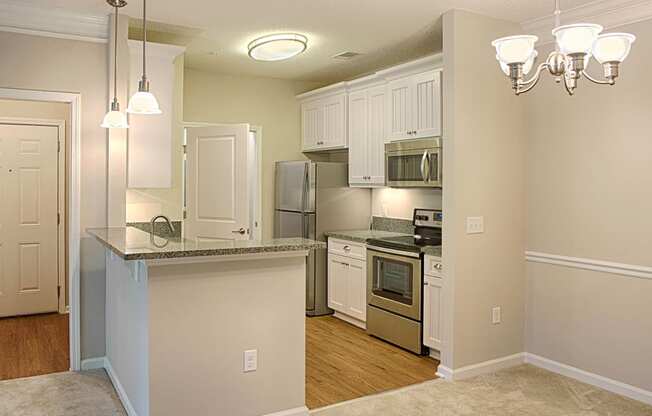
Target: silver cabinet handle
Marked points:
241	231
347	248
438	266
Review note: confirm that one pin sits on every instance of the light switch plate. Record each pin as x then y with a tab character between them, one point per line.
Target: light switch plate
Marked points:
474	225
250	361
495	315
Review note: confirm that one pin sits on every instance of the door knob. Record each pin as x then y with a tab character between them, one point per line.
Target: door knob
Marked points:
241	231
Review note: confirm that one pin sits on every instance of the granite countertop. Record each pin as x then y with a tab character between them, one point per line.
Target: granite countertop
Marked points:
133	244
361	236
434	251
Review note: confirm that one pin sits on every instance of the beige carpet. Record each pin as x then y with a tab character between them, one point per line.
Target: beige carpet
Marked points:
519	391
89	393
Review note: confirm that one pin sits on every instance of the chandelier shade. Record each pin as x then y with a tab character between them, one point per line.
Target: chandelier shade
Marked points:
514	49
527	67
577	38
143	102
612	47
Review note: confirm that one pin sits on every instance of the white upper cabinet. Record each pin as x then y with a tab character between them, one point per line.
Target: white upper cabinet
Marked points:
414	106
150	136
323	123
367	135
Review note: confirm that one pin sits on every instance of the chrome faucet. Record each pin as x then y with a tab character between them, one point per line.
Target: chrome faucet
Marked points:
167	220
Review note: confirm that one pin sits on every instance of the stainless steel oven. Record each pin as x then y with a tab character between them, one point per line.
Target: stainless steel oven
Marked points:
394	291
414	163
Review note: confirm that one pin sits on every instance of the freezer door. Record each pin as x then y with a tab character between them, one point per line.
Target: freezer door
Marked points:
295	186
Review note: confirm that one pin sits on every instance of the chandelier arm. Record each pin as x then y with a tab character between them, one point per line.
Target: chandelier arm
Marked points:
609	81
569	90
526	86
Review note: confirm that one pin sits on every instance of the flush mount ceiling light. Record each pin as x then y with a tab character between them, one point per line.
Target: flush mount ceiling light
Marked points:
575	45
143	101
115	119
277	47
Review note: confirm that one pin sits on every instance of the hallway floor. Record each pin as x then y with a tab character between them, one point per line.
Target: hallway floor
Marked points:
344	363
34	345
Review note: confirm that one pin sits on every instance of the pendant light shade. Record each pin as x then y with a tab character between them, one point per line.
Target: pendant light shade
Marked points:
115	119
143	101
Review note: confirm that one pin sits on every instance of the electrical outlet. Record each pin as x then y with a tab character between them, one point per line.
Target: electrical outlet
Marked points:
474	225
495	315
250	361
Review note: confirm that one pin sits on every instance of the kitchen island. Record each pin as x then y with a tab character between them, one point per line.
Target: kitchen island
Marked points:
181	314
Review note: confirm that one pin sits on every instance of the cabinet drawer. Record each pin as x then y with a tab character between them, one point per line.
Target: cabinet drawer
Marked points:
347	248
434	267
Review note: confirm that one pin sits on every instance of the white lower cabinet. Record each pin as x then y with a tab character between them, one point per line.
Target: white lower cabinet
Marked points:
347	282
432	308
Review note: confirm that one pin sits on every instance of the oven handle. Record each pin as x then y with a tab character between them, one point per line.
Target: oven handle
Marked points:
425	167
392	251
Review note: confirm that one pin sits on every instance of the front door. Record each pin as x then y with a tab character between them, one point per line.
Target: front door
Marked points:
28	219
217	203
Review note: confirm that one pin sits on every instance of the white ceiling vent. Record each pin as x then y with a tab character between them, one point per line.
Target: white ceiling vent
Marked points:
345	56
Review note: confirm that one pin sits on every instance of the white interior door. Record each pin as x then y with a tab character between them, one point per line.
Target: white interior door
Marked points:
217	200
28	219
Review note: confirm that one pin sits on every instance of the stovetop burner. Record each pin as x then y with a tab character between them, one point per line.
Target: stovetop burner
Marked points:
427	232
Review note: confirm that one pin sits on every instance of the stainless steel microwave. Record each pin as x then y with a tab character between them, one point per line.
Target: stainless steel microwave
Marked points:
414	163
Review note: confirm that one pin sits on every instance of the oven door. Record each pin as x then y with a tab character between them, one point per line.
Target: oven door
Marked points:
414	168
394	282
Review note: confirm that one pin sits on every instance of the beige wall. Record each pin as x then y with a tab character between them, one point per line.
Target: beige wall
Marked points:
43	63
589	195
266	102
45	111
484	152
400	203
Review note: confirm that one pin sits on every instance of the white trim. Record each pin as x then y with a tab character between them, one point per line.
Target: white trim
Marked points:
596	380
52	22
608	13
119	389
351	320
93	363
74	185
622	269
297	411
444	372
257	233
485	367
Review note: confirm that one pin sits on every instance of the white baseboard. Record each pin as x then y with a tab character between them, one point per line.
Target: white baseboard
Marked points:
93	363
297	411
444	372
590	378
351	320
483	367
122	394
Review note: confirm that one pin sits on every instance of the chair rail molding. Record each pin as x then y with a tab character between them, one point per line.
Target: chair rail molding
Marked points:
623	269
608	13
29	19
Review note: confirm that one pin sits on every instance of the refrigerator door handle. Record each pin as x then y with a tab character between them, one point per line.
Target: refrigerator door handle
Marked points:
306	188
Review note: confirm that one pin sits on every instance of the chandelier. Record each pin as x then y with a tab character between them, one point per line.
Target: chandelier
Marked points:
575	45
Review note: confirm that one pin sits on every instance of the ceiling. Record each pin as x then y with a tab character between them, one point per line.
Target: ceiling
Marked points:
385	32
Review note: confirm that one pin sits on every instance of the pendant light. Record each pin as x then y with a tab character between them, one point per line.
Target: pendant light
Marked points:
143	101
115	119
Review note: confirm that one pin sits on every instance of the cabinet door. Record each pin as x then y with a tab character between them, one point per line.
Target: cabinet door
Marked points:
377	134
357	289
432	312
312	122
337	282
399	109
358	149
427	104
334	122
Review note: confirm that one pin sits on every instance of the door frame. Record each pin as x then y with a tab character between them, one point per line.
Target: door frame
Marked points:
256	234
61	196
73	205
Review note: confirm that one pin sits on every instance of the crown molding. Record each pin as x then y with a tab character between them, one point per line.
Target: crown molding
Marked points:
608	13
57	23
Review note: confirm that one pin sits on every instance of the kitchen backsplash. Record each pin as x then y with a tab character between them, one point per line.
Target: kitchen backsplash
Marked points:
396	225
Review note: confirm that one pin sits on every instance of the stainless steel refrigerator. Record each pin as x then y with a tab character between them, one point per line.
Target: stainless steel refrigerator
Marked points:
313	198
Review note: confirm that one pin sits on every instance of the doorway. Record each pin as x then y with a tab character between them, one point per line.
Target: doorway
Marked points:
34	297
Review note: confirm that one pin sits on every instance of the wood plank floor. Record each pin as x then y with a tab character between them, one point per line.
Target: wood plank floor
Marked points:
33	345
344	363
